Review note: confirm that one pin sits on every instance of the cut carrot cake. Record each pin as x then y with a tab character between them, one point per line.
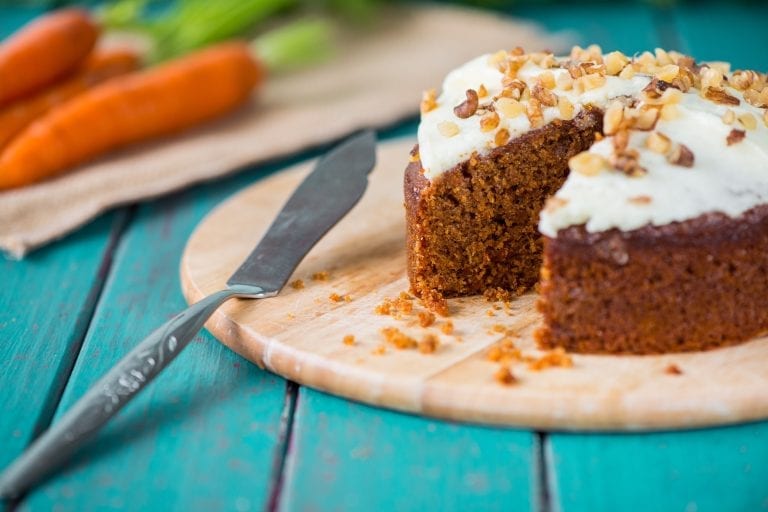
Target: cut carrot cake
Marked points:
633	190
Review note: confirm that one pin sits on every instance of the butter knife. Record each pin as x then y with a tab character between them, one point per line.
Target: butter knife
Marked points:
334	186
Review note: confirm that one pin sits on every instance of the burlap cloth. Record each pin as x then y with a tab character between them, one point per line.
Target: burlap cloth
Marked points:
374	81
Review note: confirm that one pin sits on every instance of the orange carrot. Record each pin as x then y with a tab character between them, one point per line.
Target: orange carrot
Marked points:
100	66
43	51
132	108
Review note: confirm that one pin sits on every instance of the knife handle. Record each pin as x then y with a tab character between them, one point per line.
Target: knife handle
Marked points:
110	394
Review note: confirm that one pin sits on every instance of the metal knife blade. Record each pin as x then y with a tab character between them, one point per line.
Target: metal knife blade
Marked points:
335	185
322	199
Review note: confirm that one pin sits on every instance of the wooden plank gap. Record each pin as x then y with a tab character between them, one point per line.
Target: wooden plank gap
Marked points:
542	478
285	434
83	323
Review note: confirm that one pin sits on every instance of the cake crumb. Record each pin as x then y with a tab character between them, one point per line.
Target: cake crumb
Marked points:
490	312
404	306
335	297
298	284
505	351
405	296
385	308
429	344
435	302
379	350
504	376
498	328
349	339
447	327
556	358
290	316
323	275
426	318
398	338
673	369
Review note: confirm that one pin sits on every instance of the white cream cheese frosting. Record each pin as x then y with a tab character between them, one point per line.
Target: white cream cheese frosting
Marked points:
727	176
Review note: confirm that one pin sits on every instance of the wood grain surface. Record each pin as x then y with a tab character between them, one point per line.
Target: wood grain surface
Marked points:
299	333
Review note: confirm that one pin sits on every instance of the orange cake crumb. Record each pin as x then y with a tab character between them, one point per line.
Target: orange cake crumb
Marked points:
447	327
434	301
379	350
505	376
498	328
673	369
323	275
349	339
298	284
385	308
429	344
556	357
403	305
398	338
504	351
335	297
405	296
426	318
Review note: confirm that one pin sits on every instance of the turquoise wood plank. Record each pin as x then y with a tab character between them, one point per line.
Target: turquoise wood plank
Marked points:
204	435
620	26
13	17
348	456
732	31
717	470
46	302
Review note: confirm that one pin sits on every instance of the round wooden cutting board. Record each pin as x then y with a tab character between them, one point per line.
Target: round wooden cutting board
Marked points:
299	333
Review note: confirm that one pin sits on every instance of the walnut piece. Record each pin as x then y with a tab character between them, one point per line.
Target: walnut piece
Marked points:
735	136
468	107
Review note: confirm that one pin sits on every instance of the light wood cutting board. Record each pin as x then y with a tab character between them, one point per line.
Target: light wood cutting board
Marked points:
299	333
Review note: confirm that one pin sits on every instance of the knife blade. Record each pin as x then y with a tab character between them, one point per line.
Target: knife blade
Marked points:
336	184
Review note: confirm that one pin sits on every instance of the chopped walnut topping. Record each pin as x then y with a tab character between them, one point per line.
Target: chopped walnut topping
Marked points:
735	136
509	107
663	58
729	117
448	128
482	92
547	80
428	101
757	98
349	339
711	78
544	95
667	73
747	120
429	344
640	200
566	108
615	62
744	79
646	119
627	161
621	140
658	142
589	82
720	96
398	339
673	369
501	137
489	121
513	88
504	376
669	112
612	118
680	155
534	113
564	81
627	73
765	118
588	164
468	107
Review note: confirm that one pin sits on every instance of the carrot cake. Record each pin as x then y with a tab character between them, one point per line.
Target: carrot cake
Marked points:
634	191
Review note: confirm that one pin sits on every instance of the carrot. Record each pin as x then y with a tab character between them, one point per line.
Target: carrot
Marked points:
132	108
100	66
43	51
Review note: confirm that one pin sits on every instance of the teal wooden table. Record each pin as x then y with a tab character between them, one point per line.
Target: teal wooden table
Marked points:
217	433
